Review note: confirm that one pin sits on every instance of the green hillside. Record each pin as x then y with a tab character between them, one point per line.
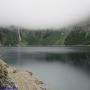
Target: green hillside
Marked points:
78	34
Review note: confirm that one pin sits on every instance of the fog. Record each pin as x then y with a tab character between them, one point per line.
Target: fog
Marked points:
43	13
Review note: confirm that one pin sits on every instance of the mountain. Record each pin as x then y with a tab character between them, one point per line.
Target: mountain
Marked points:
77	34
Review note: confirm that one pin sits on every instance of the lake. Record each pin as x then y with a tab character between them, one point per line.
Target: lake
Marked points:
60	68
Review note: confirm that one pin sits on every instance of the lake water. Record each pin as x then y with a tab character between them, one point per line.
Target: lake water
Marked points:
61	68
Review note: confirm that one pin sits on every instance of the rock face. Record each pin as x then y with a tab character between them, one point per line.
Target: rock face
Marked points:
5	80
18	80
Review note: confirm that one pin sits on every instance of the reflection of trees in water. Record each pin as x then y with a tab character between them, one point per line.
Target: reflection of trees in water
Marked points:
78	59
81	59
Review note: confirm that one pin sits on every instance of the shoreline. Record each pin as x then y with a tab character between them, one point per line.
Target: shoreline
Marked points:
22	80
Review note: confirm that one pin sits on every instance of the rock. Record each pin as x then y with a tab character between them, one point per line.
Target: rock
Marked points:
15	79
38	82
12	69
5	80
3	63
30	73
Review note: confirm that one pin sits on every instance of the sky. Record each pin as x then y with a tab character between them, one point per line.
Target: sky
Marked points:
38	14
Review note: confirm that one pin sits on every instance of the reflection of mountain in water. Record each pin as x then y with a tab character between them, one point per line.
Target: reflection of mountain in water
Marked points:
78	59
79	56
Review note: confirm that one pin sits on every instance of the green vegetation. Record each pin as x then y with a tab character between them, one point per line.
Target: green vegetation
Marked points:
74	35
44	38
78	36
8	37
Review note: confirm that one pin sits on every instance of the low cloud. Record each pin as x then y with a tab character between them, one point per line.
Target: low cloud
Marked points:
43	13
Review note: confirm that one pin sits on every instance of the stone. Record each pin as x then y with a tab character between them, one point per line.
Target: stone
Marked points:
14	79
5	80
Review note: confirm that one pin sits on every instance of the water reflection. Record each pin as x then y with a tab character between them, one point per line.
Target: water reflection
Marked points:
77	56
57	67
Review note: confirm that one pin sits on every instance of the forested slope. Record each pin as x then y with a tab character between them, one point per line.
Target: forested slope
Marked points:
78	34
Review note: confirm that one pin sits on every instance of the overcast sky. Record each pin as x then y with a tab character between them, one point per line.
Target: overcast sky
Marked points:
43	13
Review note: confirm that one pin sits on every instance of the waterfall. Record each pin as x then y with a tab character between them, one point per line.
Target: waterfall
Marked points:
19	48
19	36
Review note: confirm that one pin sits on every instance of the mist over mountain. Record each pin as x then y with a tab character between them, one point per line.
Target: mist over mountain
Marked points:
78	34
43	14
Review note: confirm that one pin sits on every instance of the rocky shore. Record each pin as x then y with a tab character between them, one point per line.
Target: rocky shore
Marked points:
13	79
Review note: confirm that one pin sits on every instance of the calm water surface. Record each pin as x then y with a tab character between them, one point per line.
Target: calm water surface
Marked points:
53	65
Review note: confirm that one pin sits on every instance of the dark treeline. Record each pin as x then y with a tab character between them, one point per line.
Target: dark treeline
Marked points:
44	38
78	34
8	37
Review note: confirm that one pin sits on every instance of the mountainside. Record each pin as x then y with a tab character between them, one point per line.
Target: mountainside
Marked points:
78	34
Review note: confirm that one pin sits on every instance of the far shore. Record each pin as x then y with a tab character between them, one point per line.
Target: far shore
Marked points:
49	46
